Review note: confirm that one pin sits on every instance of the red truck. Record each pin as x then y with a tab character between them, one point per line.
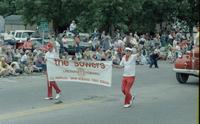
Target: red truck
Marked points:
187	65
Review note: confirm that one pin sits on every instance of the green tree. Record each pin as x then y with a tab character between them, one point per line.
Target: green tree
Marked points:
188	11
108	15
7	7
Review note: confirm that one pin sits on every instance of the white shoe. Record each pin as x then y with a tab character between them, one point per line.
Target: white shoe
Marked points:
57	95
127	105
133	97
48	98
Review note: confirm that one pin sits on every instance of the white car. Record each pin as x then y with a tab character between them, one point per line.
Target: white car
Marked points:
22	35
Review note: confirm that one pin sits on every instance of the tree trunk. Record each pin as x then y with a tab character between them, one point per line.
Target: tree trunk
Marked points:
111	30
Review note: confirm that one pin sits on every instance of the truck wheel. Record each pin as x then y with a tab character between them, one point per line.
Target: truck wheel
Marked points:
181	77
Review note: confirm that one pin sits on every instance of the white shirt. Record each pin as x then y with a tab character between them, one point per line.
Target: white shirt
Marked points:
24	58
129	66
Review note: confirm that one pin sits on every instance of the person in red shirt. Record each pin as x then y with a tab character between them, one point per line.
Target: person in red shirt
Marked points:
28	45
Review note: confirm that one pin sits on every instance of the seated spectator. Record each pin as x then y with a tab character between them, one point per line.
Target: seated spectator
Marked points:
16	68
5	69
29	68
87	54
116	58
37	51
39	62
108	55
9	55
24	58
17	55
98	54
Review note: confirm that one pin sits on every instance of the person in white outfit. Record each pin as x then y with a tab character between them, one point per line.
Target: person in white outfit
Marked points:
128	62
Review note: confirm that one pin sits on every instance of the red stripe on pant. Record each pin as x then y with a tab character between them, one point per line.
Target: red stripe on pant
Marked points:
127	83
50	85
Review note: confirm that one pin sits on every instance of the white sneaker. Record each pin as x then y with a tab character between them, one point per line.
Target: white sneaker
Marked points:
133	97
48	98
57	95
127	105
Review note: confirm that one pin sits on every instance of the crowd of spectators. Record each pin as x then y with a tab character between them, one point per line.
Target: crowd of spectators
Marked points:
28	59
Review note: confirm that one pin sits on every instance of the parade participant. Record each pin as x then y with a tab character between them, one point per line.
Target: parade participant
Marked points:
128	62
51	54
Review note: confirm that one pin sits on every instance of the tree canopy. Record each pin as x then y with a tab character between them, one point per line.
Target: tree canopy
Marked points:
108	15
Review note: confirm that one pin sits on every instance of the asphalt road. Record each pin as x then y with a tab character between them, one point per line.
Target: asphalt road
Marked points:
160	99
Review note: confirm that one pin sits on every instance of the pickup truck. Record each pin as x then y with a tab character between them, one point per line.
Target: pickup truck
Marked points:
21	35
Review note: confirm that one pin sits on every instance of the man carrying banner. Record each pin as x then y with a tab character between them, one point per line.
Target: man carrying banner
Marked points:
128	62
51	54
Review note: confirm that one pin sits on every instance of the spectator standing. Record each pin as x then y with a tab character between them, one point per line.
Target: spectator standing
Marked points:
106	43
142	41
133	40
154	58
72	27
196	38
103	37
136	36
78	50
157	40
28	45
57	45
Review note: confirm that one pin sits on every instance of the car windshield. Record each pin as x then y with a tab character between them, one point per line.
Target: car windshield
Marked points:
27	34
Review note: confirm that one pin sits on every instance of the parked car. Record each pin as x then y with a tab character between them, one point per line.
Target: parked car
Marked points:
187	65
8	38
22	35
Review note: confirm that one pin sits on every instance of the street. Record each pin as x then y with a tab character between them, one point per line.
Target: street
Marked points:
160	99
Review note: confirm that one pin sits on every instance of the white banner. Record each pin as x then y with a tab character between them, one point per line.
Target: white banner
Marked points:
94	72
